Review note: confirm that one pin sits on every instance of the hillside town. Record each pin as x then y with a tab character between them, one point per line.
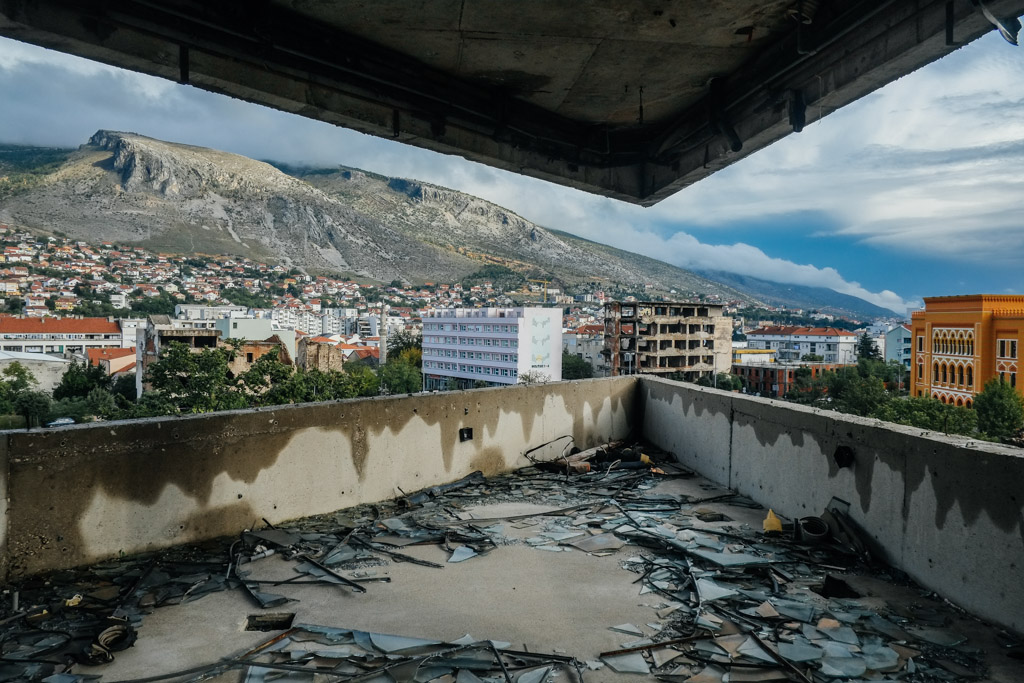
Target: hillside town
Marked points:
120	310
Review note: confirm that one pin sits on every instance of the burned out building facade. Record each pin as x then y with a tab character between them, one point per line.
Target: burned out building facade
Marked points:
667	338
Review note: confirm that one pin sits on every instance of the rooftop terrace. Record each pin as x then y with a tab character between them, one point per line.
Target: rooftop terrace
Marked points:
573	576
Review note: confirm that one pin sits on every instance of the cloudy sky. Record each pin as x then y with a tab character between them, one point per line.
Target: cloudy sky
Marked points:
916	190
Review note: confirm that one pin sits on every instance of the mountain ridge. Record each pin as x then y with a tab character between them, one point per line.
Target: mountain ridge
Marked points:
185	199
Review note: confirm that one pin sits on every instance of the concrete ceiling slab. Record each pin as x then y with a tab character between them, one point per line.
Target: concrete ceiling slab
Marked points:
551	90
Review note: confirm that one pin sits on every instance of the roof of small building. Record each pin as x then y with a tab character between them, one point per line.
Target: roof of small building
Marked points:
23	357
16	325
96	355
796	331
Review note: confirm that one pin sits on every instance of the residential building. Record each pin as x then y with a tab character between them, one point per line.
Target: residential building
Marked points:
791	343
161	330
324	356
113	361
255	329
961	342
202	312
657	337
587	342
898	346
747	356
252	350
775	379
495	346
57	336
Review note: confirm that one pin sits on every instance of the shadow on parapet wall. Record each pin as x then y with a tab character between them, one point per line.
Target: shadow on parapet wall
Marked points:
947	510
87	493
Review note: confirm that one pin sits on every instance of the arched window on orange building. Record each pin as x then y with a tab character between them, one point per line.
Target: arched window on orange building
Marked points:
935	372
945	375
960	375
970	375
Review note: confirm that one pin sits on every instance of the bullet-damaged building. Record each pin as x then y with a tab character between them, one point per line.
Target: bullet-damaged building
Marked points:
658	337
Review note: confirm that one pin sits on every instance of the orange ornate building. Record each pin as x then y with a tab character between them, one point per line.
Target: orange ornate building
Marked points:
961	342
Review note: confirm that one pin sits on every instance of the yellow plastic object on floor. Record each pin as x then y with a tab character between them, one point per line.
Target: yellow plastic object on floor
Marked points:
644	459
771	522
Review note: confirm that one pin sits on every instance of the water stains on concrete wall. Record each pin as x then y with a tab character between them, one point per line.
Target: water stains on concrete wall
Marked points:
947	510
85	493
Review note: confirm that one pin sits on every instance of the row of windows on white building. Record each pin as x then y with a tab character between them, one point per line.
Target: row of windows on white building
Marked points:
471	369
471	341
470	327
472	355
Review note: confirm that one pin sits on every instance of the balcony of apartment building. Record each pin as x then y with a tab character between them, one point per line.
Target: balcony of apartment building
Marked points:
944	510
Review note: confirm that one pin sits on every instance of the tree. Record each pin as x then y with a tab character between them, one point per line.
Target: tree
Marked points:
533	377
399	377
412	356
358	380
574	367
124	387
79	379
269	382
15	380
195	382
812	358
162	304
1000	410
867	348
928	413
34	406
402	341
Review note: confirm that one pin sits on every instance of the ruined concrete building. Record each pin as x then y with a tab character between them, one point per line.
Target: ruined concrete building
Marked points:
657	337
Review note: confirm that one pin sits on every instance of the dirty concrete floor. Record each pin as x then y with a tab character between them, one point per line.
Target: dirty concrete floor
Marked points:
551	602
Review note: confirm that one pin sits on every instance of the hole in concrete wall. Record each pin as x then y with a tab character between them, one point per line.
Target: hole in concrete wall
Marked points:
843	456
275	621
466	434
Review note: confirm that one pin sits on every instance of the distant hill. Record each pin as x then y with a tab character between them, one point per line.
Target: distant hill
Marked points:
799	296
175	198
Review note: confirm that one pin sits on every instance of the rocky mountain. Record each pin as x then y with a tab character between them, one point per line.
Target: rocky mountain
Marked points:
177	198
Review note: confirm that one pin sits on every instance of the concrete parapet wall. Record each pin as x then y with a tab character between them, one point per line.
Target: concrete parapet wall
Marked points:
947	510
86	493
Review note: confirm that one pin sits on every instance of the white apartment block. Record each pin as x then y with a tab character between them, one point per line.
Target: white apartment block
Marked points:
791	344
495	346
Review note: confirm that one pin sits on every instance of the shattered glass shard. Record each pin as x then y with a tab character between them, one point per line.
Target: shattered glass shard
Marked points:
633	663
390	644
710	590
938	636
462	553
726	559
842	667
599	543
800	652
534	675
628	629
